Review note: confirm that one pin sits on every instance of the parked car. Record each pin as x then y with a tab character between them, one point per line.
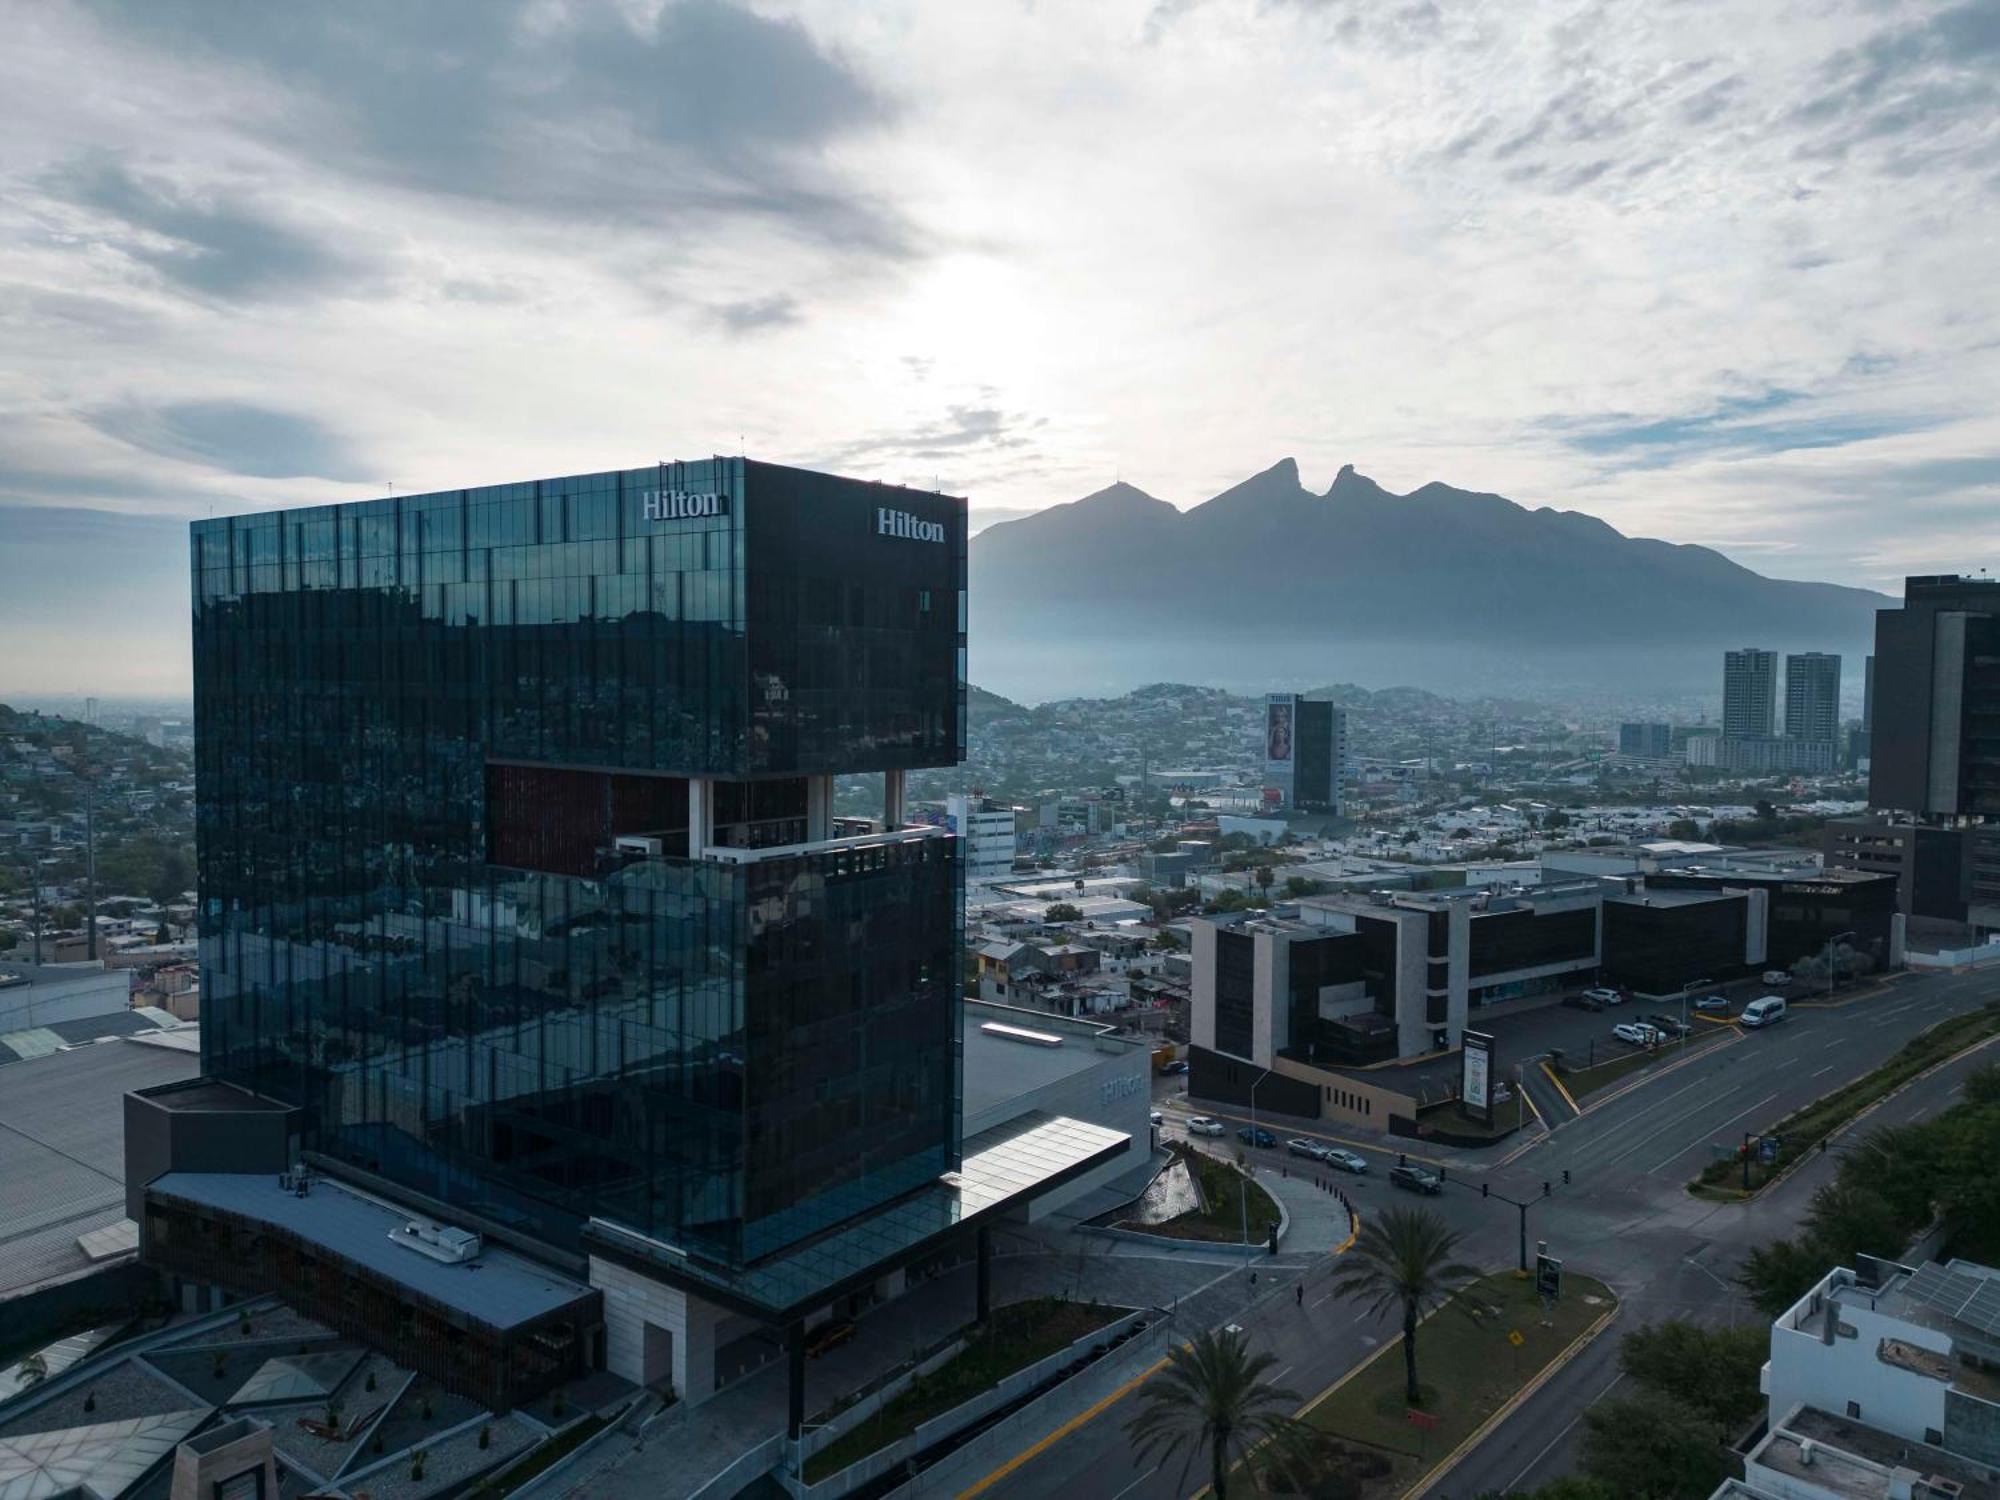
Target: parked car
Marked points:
829	1335
1255	1135
1415	1179
1776	977
1176	1067
1766	1010
1203	1125
1347	1161
1298	1145
1157	1118
1668	1025
1584	1001
1713	1003
1605	995
1638	1033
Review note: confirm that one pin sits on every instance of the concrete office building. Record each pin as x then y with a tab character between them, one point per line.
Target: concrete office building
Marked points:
1749	693
1352	981
1305	752
1934	728
522	909
988	831
1880	1387
1645	741
1812	697
1930	864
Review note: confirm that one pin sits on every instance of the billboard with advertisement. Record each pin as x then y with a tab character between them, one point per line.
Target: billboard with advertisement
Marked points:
1475	1088
1280	729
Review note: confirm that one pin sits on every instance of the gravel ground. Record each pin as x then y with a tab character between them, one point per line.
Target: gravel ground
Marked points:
598	1391
127	1389
452	1462
267	1325
194	1367
407	1427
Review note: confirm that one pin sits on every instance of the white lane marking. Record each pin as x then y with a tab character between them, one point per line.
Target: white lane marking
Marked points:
1139	1481
1826	1070
1681	1151
1514	1483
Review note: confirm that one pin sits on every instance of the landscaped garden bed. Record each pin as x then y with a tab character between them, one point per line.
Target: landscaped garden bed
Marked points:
1015	1337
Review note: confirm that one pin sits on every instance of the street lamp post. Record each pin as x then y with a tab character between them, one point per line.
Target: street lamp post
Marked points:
1686	990
1249	1173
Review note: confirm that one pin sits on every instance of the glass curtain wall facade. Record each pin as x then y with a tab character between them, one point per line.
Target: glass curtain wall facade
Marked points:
424	725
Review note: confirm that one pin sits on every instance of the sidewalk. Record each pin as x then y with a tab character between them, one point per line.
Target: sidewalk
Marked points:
686	1446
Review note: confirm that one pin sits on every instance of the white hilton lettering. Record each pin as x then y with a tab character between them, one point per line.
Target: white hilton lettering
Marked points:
900	523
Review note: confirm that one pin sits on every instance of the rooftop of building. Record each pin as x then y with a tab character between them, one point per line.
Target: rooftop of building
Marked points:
1959	1299
1002	1167
1859	1462
1011	1052
497	1287
62	1150
1655	896
208	1095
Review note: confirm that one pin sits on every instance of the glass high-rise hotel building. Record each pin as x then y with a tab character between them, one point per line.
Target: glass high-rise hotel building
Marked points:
517	867
524	902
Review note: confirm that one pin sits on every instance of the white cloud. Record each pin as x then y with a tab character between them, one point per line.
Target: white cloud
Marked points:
1716	271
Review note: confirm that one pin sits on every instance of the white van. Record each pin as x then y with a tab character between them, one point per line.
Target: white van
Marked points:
1765	1011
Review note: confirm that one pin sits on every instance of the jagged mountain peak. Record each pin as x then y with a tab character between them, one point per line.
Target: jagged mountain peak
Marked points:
1121	588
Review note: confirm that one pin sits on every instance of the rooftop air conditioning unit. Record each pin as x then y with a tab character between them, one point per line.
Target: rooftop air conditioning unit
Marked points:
438	1241
1937	1487
645	845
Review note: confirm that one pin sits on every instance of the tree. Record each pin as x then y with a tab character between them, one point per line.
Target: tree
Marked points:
1568	1487
173	877
1684	828
1404	1259
1062	911
1713	1370
1778	1274
1214	1397
1652	1448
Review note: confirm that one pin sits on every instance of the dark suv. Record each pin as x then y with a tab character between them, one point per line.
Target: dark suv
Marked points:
1416	1179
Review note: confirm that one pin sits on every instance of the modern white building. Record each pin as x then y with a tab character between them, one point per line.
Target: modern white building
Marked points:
988	831
1884	1384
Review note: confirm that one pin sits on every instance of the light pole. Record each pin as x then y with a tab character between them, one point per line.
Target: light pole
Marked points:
1249	1174
1687	989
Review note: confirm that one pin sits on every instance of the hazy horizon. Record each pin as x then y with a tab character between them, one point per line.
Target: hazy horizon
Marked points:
1727	293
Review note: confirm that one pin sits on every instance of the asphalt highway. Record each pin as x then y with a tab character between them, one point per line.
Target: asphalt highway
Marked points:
1624	1217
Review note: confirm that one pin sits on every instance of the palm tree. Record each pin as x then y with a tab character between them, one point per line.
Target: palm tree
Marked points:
1213	1395
1404	1257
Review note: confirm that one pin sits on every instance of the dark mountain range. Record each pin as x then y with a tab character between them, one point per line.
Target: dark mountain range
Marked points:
1271	585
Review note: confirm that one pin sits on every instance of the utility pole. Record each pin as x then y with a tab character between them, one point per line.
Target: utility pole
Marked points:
89	858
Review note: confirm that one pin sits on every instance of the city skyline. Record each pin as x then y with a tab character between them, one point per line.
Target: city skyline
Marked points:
1578	261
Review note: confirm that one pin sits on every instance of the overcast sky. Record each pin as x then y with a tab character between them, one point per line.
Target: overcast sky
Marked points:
1717	272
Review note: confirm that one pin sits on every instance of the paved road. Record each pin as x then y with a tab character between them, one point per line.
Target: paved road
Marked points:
1624	1217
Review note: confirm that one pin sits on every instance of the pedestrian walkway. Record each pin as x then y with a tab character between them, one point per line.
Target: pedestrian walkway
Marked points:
686	1446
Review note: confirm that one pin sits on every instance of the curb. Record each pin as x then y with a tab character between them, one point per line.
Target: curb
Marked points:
1853	1120
1648	1075
1099	1407
1424	1483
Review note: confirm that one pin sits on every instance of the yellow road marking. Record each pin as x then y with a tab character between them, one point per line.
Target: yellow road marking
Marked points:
1551	1072
1445	1465
1034	1450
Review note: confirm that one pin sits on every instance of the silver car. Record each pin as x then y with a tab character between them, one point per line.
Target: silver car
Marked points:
1347	1161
